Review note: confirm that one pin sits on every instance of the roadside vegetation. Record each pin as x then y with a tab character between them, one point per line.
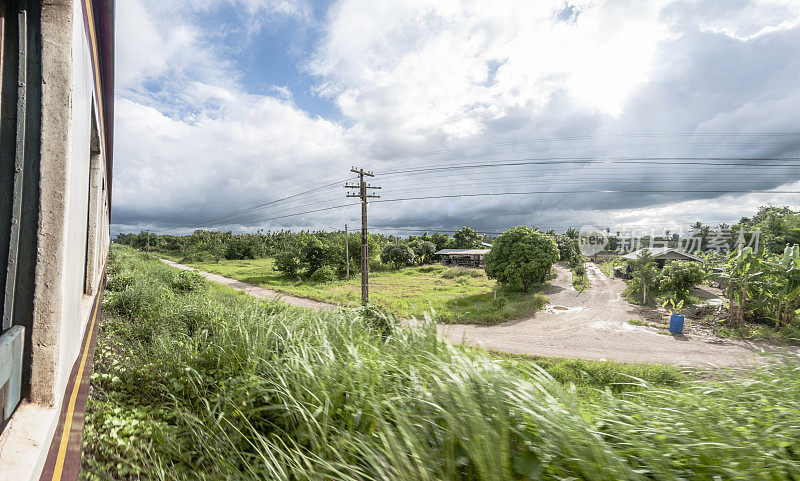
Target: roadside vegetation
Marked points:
760	278
451	294
195	381
580	279
674	282
404	280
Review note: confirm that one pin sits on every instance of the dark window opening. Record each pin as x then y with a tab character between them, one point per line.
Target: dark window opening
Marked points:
92	208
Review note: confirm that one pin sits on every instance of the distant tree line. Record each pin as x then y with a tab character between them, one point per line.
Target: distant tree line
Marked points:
777	226
319	255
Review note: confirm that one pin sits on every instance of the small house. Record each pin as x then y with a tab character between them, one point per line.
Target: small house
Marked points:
462	257
662	255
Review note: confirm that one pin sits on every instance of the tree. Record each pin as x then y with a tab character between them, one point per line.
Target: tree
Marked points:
644	278
568	250
287	264
399	255
466	238
313	253
679	277
423	250
521	255
441	240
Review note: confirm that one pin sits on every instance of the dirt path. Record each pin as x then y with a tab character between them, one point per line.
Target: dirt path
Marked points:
590	325
254	290
594	325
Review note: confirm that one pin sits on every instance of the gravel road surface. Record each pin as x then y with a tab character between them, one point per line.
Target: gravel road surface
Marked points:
594	325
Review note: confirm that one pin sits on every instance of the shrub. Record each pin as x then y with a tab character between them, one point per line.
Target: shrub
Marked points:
398	255
324	274
429	269
679	277
186	281
568	250
287	264
643	285
244	246
313	254
119	282
423	250
453	272
521	255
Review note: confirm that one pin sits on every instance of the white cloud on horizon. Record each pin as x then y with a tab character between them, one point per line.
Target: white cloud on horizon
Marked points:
192	141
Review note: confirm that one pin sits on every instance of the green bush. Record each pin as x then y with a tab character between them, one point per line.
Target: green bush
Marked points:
119	282
324	274
429	269
677	278
642	288
423	251
569	250
453	272
287	264
186	281
398	255
521	255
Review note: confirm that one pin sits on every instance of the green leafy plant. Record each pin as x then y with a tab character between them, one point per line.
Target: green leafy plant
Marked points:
287	263
324	274
398	255
672	307
677	279
642	288
522	255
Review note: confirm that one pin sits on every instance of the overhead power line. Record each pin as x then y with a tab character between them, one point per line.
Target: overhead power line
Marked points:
493	194
258	206
598	191
711	135
615	161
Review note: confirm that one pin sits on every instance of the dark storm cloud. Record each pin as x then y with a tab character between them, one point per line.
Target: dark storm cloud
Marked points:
721	67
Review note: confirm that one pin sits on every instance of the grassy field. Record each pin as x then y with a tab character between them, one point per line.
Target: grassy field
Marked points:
453	294
197	382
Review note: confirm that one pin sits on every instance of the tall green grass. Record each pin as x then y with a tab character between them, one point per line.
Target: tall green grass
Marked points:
203	383
453	294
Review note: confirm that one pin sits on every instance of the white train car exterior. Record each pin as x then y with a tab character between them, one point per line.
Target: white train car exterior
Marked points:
56	142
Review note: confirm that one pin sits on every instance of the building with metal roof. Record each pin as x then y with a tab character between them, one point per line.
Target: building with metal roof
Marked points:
662	255
462	257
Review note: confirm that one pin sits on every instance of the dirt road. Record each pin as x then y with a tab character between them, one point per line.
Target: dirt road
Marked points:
254	290
594	325
591	325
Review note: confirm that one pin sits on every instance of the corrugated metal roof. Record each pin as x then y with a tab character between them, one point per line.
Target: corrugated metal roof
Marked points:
663	253
462	251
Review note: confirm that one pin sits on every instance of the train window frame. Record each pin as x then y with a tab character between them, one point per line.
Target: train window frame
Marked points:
93	209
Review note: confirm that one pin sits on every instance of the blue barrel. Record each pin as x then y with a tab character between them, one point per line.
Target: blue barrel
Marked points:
676	324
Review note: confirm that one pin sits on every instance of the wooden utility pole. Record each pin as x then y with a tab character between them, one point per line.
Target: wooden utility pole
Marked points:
148	242
363	195
347	251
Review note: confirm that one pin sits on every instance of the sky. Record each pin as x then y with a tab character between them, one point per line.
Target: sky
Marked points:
249	114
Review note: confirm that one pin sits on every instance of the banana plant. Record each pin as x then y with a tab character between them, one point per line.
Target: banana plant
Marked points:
745	275
764	287
787	292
